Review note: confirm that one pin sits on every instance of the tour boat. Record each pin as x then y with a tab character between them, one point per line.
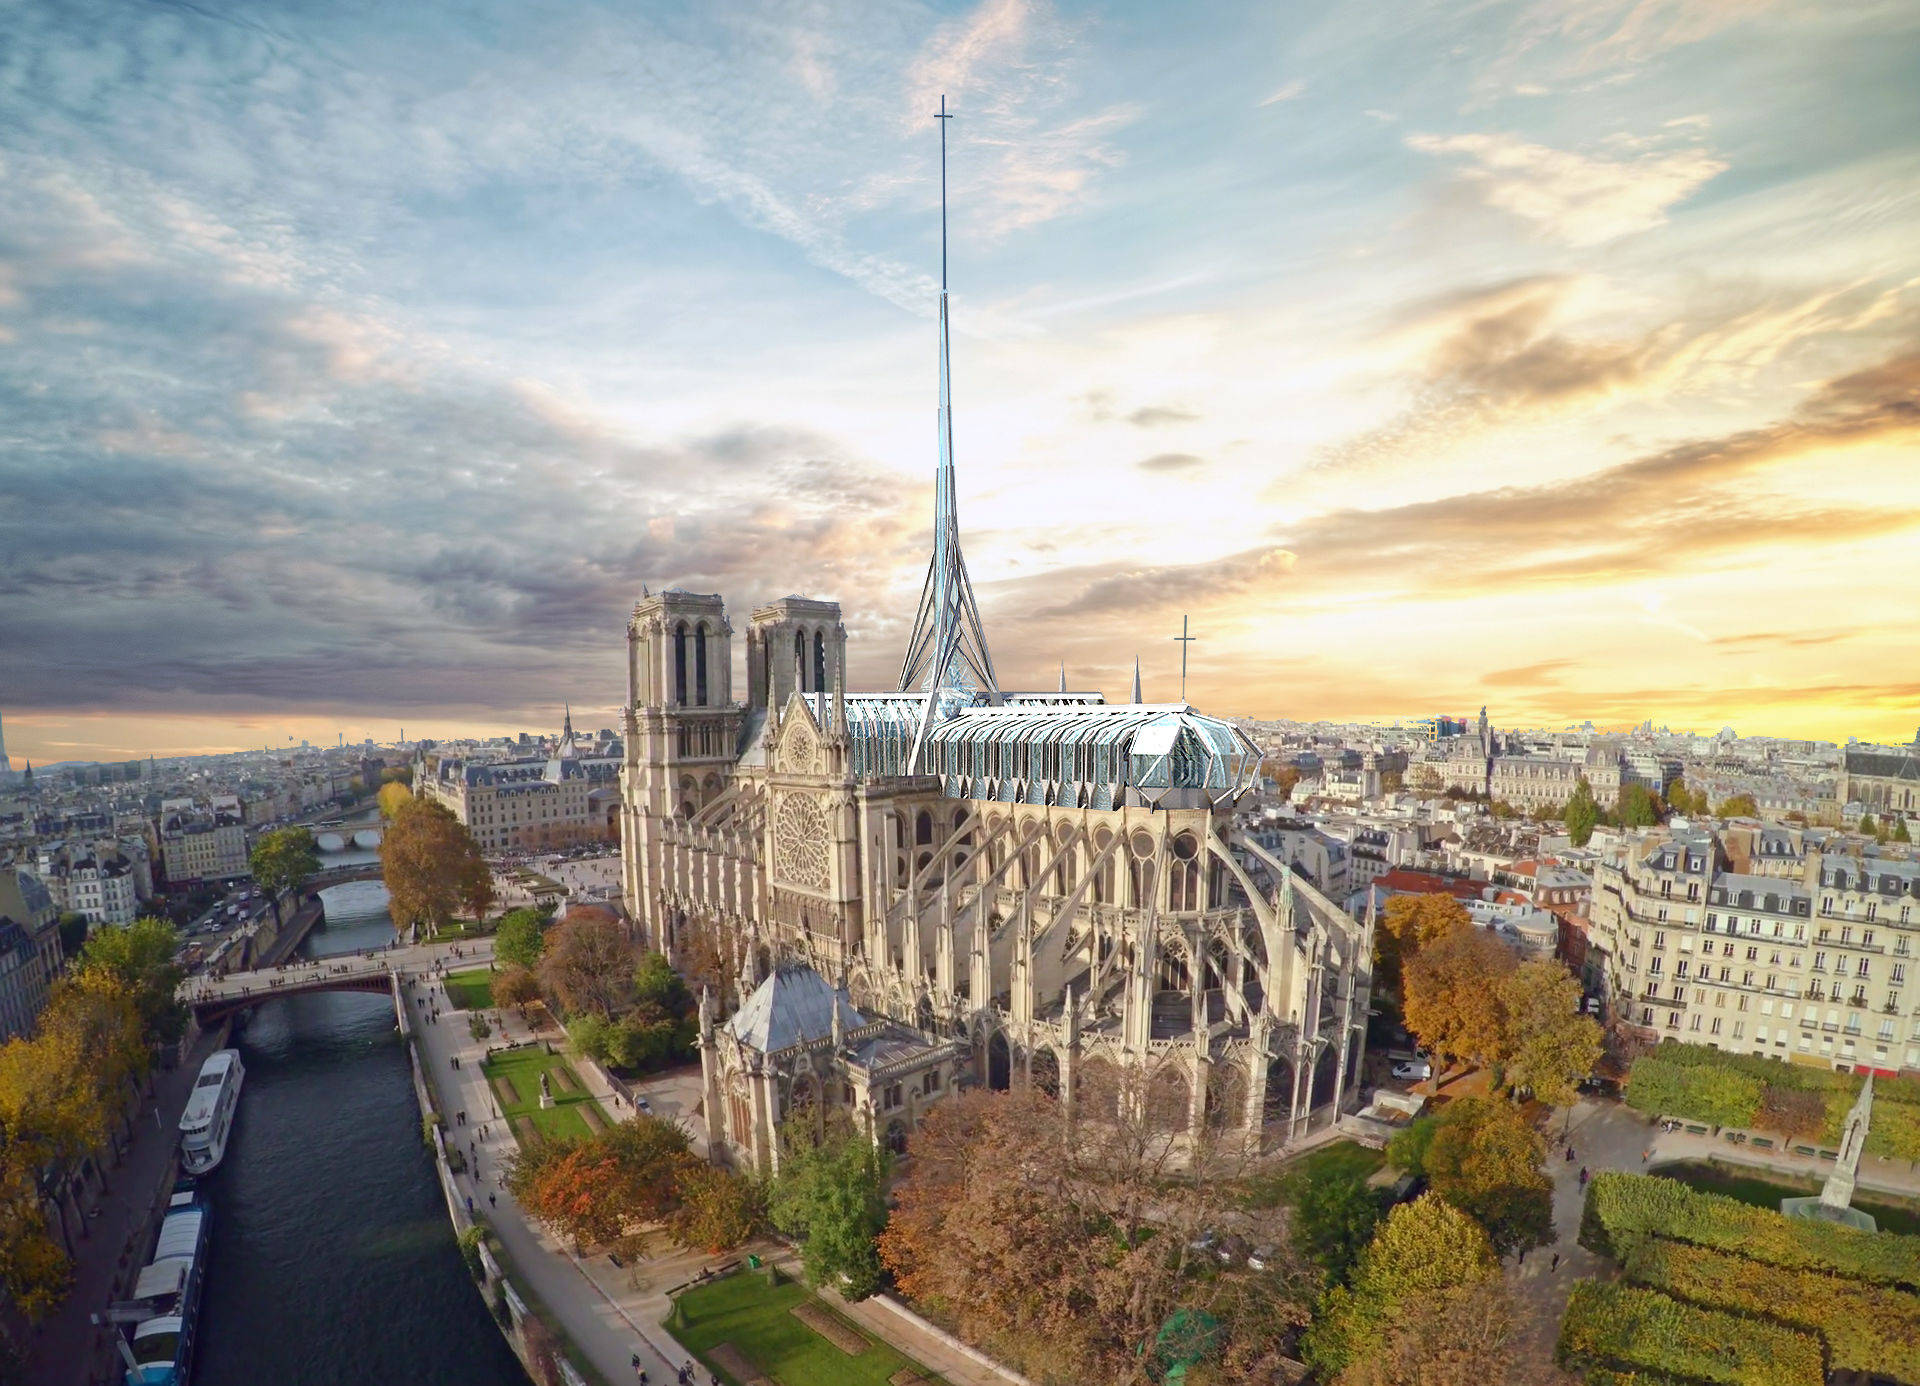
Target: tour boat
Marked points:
209	1116
165	1309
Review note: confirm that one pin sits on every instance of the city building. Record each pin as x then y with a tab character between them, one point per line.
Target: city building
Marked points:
1880	780
103	879
198	843
1810	968
29	950
516	804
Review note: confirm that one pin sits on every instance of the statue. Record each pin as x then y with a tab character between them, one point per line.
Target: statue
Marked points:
546	1092
1835	1203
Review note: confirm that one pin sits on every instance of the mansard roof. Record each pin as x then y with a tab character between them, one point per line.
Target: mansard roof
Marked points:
793	1006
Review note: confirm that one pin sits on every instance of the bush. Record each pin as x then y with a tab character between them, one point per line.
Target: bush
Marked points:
1612	1326
470	1249
1624	1209
477	1026
1867	1328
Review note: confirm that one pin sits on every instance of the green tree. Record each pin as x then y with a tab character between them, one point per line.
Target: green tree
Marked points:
1425	1250
1636	807
1582	814
1550	1045
284	860
829	1194
1407	1149
588	965
140	956
1900	833
1866	825
1486	1160
1738	806
521	938
1334	1218
73	933
1683	800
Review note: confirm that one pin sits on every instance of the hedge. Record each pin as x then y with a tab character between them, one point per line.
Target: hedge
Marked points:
1613	1326
1701	1083
1624	1209
1867	1328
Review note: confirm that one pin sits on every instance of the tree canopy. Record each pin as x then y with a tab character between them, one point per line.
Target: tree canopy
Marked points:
140	956
432	867
1582	814
829	1193
1408	924
1452	996
1485	1159
1550	1046
588	964
1738	806
283	860
394	796
1636	807
1334	1217
521	937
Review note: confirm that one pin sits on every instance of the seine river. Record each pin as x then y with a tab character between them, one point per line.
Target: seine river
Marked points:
333	1261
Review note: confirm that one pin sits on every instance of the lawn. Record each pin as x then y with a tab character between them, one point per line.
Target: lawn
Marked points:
471	990
1766	1192
742	1309
566	1117
1328	1161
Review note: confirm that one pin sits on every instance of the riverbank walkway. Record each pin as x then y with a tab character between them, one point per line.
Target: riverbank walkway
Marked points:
612	1313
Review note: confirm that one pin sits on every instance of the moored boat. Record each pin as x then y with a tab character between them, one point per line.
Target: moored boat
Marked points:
208	1120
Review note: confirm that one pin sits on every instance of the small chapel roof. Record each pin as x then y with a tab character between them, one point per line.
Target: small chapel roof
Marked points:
792	1006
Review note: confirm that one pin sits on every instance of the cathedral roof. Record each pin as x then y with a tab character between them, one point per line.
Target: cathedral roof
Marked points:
791	1007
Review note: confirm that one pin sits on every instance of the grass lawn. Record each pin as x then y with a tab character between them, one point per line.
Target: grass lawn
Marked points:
1329	1161
471	990
1766	1191
744	1310
524	1066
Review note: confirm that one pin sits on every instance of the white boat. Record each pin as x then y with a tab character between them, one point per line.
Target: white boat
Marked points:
209	1116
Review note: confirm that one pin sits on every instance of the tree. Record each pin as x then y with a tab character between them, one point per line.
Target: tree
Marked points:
1485	1160
1460	1338
1409	923
719	1210
1738	806
34	1271
393	797
140	955
397	774
284	860
521	938
588	965
432	867
1424	777
1407	1147
1426	1250
1550	1046
1453	997
1635	807
581	1196
516	987
829	1194
1900	833
1793	1112
1392	781
1582	814
1866	825
1683	800
1334	1218
73	933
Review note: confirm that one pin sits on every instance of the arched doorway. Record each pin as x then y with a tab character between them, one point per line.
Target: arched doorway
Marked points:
999	1063
1044	1071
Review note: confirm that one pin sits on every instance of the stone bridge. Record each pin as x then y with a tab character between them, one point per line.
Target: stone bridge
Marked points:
213	999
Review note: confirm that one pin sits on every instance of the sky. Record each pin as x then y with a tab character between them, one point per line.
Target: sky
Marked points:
360	362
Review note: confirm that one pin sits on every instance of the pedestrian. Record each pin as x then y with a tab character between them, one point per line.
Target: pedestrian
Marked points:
469	1205
1569	1152
1556	1263
1523	1256
492	1202
1645	1154
1583	1176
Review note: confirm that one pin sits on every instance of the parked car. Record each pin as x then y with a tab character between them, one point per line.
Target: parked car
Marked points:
1413	1070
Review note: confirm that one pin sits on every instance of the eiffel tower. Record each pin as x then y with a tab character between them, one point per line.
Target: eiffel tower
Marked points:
947	656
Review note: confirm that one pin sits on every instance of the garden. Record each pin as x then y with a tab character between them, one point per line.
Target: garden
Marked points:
514	1076
743	1326
471	990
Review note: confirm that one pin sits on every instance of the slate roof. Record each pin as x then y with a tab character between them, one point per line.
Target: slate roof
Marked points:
792	1006
1883	765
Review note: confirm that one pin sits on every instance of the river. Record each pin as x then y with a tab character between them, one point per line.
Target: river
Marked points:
333	1261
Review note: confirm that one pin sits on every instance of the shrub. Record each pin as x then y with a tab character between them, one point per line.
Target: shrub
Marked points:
1868	1328
1702	1092
470	1241
1624	1209
1612	1326
477	1026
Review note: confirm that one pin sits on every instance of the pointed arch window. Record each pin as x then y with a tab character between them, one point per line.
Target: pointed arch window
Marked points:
680	665
800	660
819	660
700	665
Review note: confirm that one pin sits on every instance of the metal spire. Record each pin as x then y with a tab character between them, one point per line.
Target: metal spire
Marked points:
1185	640
947	655
1136	680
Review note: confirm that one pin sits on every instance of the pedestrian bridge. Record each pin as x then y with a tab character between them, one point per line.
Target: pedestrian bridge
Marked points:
214	1000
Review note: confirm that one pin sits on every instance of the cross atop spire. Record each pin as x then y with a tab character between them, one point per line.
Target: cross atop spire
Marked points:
947	655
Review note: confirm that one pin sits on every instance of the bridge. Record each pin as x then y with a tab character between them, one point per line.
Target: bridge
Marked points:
340	875
338	837
214	999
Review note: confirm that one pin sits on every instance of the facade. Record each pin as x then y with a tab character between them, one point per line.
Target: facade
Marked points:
1884	781
202	843
530	803
99	879
1810	968
29	950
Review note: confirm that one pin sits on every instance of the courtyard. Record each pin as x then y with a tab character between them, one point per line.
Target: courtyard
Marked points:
746	1330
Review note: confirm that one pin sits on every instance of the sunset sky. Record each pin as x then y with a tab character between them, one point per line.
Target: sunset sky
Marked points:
359	362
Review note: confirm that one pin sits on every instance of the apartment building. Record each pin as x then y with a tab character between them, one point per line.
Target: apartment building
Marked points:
529	804
29	950
201	843
1809	968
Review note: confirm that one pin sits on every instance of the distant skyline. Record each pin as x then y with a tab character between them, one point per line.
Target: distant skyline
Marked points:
359	364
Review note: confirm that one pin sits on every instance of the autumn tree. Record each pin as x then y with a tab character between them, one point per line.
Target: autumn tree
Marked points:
1408	924
1793	1112
521	937
1426	1250
284	860
719	1210
829	1194
432	867
581	1196
1453	997
515	986
588	963
1486	1160
708	952
1683	800
1456	1338
394	796
1550	1046
1738	806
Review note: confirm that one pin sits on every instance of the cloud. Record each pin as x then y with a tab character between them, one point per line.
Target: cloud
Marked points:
1159	415
1168	462
1578	199
1547	671
1292	91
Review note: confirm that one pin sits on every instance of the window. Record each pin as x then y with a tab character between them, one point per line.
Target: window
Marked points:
1714	1028
1861	969
1753	954
1659	939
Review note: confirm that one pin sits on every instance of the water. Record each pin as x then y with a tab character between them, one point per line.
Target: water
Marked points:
333	1261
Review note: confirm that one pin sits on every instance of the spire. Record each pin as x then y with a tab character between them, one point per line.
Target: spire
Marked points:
1063	676
947	654
1136	680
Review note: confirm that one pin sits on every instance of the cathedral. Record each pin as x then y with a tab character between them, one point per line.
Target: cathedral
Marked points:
951	883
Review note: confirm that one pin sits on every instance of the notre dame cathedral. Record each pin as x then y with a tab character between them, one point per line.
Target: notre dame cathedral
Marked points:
952	883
